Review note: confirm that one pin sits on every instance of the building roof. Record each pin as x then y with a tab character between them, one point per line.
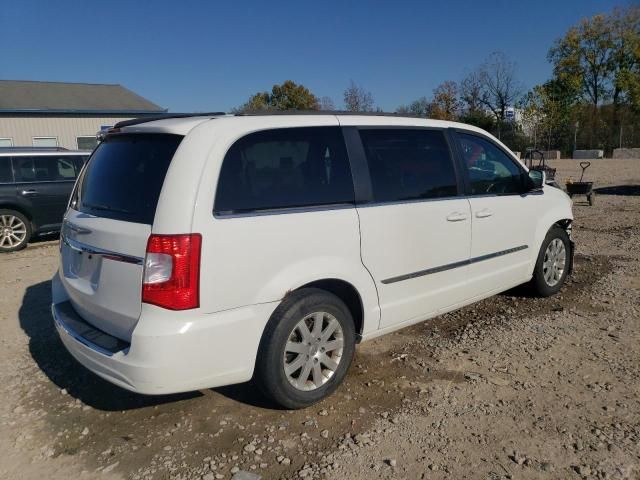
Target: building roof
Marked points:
20	96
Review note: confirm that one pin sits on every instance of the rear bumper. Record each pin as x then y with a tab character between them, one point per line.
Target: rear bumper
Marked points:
169	352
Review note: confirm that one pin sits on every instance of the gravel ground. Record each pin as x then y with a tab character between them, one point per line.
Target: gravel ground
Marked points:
511	387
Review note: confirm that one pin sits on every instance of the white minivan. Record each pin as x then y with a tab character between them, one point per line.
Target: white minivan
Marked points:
201	251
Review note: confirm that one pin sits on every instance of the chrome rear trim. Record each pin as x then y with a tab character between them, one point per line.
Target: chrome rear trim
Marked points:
89	250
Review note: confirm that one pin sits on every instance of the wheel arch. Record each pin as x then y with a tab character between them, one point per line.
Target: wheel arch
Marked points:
17	208
346	292
566	224
24	211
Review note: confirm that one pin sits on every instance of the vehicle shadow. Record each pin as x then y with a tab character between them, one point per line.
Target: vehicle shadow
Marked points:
64	371
521	291
249	394
624	190
45	237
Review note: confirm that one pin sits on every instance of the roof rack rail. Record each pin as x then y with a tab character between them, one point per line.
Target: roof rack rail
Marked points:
141	120
323	112
138	121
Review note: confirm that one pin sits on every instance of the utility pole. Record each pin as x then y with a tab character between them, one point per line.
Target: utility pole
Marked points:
575	138
620	135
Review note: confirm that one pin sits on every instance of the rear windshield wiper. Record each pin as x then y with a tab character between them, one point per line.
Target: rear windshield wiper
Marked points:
106	208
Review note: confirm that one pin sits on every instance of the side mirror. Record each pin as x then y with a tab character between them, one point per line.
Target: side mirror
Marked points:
537	179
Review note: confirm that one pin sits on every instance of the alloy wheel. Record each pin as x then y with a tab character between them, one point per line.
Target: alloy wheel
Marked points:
313	351
13	231
555	260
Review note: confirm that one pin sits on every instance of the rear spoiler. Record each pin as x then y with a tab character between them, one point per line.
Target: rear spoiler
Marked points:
138	121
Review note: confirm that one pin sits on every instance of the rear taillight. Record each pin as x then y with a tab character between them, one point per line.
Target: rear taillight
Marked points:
172	271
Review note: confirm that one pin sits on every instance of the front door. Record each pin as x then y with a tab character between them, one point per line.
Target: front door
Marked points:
415	230
503	222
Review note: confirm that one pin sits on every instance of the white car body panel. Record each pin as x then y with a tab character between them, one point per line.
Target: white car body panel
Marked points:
499	224
250	262
406	238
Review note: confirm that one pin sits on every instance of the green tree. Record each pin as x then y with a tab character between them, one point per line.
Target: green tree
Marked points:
445	104
287	96
625	33
582	59
598	63
548	114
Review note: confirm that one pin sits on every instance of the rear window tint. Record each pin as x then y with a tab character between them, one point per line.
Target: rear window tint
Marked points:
6	175
124	177
285	168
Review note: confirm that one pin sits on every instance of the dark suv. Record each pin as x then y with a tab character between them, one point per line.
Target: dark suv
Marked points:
35	185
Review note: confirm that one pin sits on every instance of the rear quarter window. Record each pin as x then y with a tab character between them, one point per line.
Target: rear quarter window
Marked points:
6	173
124	176
285	168
44	168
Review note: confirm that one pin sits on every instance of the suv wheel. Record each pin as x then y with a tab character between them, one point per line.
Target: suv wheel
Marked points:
306	348
553	263
15	231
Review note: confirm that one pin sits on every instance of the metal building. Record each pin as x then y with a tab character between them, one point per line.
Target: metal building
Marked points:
59	114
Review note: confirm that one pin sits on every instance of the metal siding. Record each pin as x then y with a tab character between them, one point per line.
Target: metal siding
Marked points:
22	129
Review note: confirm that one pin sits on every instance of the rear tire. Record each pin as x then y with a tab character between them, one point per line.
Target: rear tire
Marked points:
15	231
306	348
553	263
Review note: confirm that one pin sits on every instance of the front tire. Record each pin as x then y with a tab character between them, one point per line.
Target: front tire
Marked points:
15	231
552	265
306	349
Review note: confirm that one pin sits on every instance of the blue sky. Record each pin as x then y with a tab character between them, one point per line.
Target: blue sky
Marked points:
206	55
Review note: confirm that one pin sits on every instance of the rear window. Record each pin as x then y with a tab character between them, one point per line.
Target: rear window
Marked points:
124	177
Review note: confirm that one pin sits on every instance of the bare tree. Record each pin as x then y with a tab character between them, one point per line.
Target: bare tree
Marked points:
419	108
326	104
471	93
499	87
357	99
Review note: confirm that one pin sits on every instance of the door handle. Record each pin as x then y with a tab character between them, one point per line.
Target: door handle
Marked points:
456	217
484	213
29	192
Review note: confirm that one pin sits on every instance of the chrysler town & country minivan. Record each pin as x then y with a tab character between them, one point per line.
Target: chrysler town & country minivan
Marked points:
203	251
